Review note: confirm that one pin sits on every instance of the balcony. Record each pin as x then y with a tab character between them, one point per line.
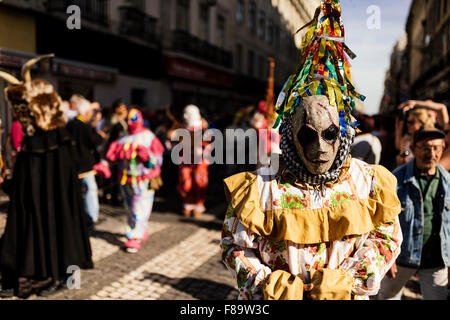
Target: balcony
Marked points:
136	23
184	42
91	10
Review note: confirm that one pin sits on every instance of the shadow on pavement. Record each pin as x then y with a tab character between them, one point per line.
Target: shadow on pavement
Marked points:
201	289
210	225
112	238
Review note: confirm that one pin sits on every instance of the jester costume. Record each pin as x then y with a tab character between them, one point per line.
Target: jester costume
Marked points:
140	154
322	225
194	177
46	231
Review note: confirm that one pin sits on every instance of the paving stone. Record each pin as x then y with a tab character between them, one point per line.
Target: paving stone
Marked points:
180	261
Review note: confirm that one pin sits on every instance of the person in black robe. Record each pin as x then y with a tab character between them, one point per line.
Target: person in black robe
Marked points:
46	231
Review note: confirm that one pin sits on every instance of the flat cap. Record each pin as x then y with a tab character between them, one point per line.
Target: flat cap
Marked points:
427	132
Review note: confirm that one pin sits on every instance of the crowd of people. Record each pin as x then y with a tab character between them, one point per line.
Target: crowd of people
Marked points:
419	158
86	154
64	158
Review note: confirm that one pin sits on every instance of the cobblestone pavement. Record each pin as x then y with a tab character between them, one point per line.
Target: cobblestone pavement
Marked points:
180	261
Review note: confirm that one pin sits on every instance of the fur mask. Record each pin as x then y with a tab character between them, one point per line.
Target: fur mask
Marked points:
35	102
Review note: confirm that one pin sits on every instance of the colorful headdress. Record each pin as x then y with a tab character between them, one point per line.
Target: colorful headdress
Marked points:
324	67
135	121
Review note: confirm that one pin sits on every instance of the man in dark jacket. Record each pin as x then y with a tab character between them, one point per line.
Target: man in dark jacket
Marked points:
117	127
87	140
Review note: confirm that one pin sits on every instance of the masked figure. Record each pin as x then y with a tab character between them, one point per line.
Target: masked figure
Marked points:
46	229
323	226
139	153
193	177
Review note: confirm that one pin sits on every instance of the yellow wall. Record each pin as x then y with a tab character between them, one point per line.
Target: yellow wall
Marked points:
17	30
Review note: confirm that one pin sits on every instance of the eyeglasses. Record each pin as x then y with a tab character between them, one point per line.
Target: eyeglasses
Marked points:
431	148
411	123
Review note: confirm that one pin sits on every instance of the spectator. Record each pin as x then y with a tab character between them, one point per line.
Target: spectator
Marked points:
66	107
437	111
445	160
366	146
16	135
118	121
415	119
2	162
387	139
117	127
423	189
97	117
72	111
87	140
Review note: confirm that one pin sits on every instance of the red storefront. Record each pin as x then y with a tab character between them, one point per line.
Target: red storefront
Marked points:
212	89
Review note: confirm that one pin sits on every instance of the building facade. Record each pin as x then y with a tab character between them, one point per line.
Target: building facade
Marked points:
425	56
396	85
154	53
428	30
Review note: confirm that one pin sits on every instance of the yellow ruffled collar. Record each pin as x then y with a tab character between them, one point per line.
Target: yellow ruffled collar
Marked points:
312	226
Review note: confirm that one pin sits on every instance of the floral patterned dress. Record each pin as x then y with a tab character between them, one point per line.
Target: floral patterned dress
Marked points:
274	223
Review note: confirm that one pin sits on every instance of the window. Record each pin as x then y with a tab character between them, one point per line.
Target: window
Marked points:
140	4
262	24
270	31
182	14
276	36
92	10
67	88
204	22
261	67
138	97
252	16
448	38
443	36
239	58
221	30
250	63
438	11
240	12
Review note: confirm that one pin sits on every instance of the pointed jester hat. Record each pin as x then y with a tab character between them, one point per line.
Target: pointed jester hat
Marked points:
324	67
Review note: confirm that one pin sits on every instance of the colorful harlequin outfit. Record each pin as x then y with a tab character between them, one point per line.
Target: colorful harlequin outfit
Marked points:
194	177
140	155
336	230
